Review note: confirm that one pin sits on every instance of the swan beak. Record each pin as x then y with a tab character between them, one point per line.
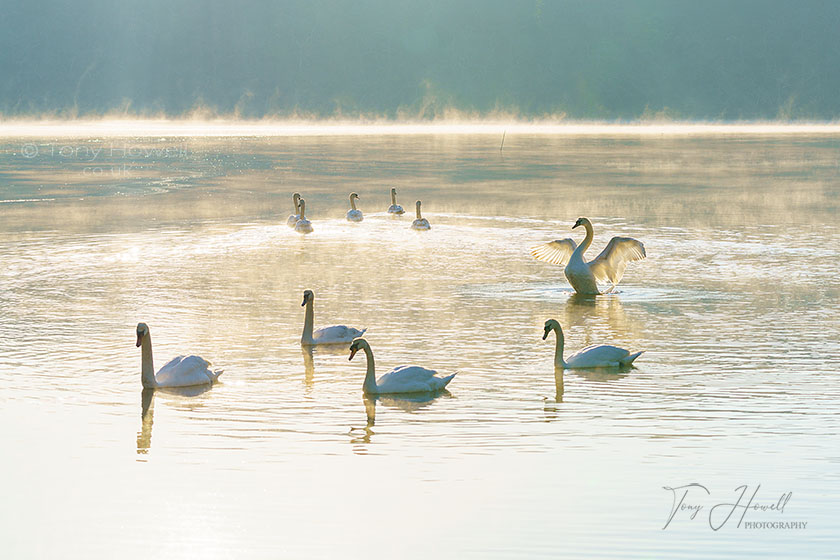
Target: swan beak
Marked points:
576	225
352	353
545	335
139	340
304	302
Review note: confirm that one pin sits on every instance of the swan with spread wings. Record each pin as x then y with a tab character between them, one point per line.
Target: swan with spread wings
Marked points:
608	267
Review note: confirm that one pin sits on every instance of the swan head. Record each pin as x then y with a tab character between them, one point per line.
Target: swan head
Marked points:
551	325
356	345
296	197
142	331
354	195
580	222
393	191
308	296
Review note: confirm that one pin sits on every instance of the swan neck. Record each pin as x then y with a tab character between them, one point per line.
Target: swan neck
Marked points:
418	211
147	369
295	202
308	322
302	207
558	349
587	241
352	203
393	197
369	386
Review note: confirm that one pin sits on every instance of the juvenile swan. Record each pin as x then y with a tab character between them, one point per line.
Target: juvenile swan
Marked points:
296	216
607	267
595	356
354	215
327	335
420	223
395	208
303	225
401	379
179	372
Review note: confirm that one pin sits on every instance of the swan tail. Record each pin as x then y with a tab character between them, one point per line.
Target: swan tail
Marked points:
444	381
629	359
214	375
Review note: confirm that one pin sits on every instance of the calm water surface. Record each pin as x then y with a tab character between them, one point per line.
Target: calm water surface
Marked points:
737	307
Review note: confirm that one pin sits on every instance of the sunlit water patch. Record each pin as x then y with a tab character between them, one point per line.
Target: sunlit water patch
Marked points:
735	307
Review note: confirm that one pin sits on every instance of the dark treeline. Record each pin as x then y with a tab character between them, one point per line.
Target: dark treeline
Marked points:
587	59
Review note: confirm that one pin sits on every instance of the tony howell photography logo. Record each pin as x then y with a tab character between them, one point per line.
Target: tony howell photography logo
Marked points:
743	508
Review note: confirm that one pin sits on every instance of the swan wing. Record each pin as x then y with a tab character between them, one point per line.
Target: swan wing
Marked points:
336	333
598	355
610	264
411	379
183	371
555	252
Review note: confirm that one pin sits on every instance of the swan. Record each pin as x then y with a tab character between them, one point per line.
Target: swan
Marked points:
401	379
296	216
595	356
303	225
354	215
327	335
395	208
607	267
181	371
420	223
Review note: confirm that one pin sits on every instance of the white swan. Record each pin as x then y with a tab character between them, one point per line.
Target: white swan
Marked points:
354	215
303	225
179	372
401	379
395	208
420	223
292	220
595	356
607	267
327	335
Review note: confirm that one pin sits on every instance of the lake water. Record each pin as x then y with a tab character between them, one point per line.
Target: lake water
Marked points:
737	307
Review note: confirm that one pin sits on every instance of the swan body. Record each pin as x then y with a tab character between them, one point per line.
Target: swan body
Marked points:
401	379
420	223
336	334
584	276
354	215
181	371
292	220
395	209
595	356
303	225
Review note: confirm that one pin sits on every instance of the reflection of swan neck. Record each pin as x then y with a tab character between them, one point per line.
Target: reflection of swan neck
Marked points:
558	384
302	207
418	210
308	320
148	367
558	348
393	197
353	201
295	199
369	386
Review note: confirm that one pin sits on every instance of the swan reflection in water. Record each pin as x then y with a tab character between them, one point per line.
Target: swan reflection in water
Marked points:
308	352
549	405
147	411
407	402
